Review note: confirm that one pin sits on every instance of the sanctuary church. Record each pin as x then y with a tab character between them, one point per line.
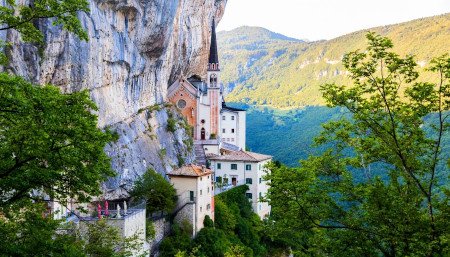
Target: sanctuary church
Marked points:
219	137
202	104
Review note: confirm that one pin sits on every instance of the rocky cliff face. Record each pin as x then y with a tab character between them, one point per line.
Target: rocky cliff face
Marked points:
136	49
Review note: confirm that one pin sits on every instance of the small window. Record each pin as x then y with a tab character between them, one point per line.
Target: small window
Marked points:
201	192
208	189
200	209
249	195
201	178
248	181
260	180
191	196
219	166
232	117
208	206
223	117
223	130
232	130
260	195
219	179
259	167
232	140
248	167
234	166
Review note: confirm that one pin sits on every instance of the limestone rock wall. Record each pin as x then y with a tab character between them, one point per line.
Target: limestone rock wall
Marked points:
136	48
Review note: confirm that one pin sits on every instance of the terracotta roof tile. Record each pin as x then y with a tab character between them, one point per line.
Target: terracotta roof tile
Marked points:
241	156
190	170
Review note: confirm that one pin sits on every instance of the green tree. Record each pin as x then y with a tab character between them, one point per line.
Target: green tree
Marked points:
398	206
29	232
235	251
212	242
208	222
157	191
178	242
50	147
50	143
224	218
22	17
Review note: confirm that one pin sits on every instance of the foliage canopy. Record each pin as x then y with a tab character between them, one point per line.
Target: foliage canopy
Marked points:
50	143
159	194
22	18
322	209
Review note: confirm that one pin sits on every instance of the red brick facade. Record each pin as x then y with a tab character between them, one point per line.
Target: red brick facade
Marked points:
189	110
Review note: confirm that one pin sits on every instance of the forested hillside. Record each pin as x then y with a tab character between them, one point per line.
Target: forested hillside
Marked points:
264	68
288	134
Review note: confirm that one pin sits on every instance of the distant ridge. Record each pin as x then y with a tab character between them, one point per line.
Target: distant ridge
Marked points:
261	67
247	32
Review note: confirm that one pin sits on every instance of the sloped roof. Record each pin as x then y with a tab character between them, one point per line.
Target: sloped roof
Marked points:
181	83
230	147
190	170
225	107
241	156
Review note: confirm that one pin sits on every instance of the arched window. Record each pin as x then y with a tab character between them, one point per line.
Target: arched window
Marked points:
213	79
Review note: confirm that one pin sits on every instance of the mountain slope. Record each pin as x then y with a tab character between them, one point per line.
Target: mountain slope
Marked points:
264	68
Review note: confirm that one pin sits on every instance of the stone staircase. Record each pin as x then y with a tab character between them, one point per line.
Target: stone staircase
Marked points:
200	156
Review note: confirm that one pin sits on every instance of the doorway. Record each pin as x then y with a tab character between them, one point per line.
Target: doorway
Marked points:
234	181
202	134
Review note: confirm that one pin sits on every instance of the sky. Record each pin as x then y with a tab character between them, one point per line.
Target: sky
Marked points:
325	19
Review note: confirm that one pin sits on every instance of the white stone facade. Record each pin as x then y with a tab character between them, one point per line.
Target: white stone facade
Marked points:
232	126
234	172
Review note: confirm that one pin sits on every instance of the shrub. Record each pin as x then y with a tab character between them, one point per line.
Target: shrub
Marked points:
157	191
208	222
171	124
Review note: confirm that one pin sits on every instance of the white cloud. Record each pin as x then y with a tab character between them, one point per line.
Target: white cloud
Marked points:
325	19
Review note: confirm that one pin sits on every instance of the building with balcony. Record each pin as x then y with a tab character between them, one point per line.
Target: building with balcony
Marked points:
235	168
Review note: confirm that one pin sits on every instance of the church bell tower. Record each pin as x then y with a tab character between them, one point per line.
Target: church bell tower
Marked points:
213	81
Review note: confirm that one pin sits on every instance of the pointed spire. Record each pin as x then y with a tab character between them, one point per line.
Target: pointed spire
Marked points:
213	63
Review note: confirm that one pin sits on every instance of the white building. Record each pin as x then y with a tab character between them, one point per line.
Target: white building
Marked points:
219	133
232	126
195	194
243	168
202	104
